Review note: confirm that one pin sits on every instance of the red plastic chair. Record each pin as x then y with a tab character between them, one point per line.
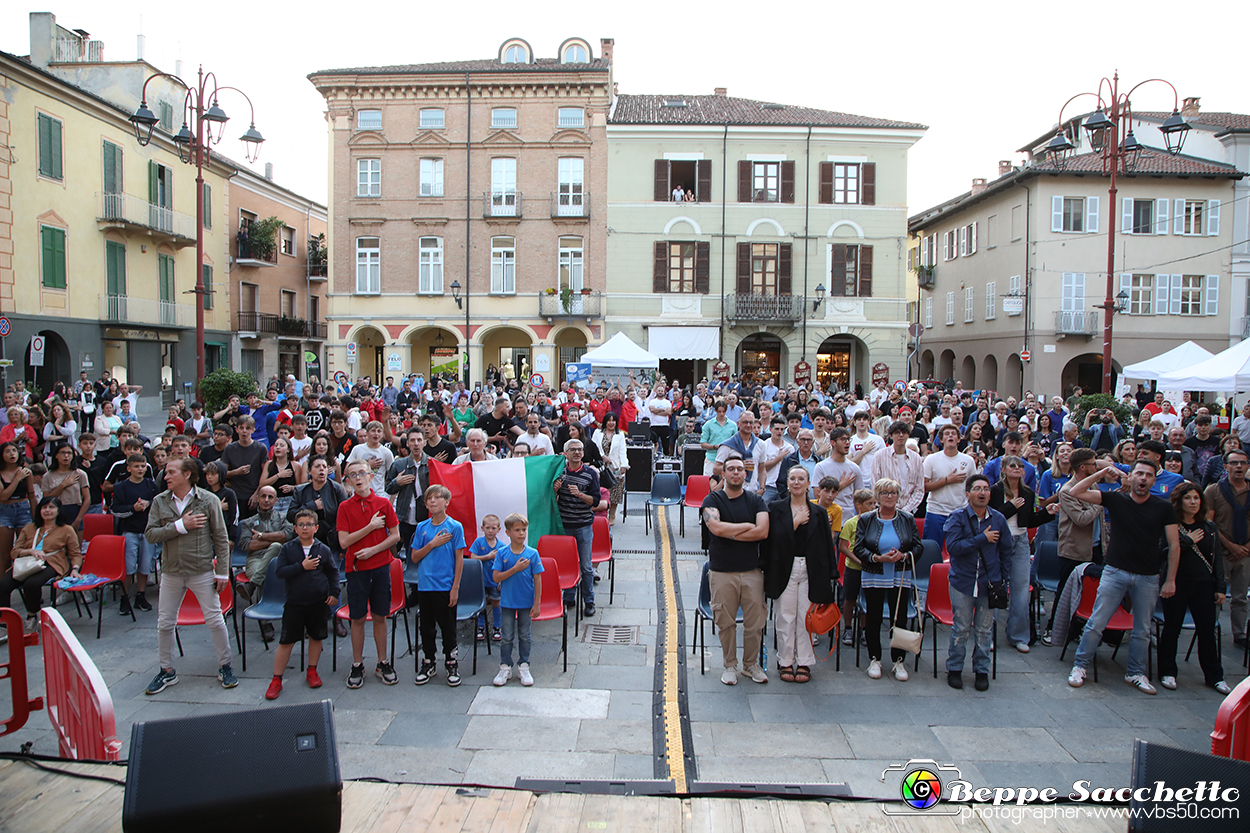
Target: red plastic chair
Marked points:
107	559
920	526
937	603
93	525
697	488
1231	737
563	550
601	551
398	605
551	604
1121	620
190	614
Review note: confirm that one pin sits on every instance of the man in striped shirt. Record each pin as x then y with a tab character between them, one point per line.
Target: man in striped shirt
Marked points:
577	495
902	465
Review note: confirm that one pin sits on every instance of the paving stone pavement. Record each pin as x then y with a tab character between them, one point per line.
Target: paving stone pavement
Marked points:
595	721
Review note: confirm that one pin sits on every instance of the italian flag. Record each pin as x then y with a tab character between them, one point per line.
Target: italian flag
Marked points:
501	487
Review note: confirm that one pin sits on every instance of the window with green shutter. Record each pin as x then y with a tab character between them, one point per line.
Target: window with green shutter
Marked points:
115	267
208	286
53	257
207	194
112	175
165	264
49	147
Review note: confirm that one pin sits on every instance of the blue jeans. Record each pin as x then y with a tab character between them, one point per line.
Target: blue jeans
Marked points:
1144	592
971	613
770	494
1018	581
935	528
139	554
585	535
516	626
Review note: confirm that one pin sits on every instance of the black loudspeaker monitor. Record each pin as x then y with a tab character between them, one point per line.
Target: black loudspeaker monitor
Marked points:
1165	770
264	770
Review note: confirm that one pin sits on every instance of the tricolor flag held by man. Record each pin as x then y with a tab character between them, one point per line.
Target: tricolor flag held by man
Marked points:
501	487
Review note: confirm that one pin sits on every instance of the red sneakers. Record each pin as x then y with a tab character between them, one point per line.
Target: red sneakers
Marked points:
314	679
275	688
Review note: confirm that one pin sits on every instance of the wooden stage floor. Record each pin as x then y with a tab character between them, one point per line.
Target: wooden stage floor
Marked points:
34	801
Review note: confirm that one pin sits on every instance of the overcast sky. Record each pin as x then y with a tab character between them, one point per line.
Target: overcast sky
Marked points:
984	76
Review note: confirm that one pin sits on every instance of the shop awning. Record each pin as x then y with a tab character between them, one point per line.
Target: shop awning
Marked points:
683	342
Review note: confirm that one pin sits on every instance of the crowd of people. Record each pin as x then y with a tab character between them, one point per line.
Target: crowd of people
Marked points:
817	497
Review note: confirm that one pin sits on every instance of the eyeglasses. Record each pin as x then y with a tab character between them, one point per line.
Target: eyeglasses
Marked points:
357	475
887	494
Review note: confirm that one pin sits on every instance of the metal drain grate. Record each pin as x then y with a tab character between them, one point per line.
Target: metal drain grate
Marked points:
611	634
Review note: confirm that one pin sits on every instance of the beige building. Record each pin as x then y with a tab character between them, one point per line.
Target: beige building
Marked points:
277	285
466	212
1019	263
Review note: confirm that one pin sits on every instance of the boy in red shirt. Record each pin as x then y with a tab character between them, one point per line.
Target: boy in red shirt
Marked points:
368	529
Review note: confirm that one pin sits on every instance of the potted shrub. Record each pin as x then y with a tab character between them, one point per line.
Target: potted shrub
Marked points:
263	238
318	255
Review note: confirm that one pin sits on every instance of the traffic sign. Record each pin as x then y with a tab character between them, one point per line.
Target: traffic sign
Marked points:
536	380
6	362
37	345
5	327
1024	355
351	352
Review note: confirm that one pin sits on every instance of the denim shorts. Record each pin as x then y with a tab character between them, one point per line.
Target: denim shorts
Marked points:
15	515
369	591
139	554
492	593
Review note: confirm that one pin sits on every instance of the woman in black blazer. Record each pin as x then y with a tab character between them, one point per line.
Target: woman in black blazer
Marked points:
1018	504
798	564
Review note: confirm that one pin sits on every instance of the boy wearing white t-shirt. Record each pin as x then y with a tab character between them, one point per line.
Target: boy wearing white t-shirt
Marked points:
944	476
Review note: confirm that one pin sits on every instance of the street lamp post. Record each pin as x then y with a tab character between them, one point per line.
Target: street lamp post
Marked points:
1104	127
201	109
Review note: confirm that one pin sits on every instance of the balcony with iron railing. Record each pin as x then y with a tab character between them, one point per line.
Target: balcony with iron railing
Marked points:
130	213
577	304
505	204
74	49
248	252
1069	323
252	324
570	206
752	306
120	309
318	271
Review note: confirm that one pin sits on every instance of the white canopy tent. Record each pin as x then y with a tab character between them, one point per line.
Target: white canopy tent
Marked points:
620	351
1225	372
1177	359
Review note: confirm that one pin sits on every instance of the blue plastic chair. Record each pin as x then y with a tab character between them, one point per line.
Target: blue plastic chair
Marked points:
472	599
703	615
665	491
269	609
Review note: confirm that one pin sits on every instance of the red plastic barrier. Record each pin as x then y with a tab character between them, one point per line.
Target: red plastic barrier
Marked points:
15	670
1231	737
79	704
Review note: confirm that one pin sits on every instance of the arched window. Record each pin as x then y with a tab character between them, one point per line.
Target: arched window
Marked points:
516	54
575	53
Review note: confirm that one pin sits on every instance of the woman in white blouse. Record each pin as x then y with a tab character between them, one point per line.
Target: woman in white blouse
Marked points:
60	426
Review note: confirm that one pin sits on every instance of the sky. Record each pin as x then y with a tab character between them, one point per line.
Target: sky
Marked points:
985	77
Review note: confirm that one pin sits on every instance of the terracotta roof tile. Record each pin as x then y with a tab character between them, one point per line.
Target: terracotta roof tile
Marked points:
721	109
1153	161
483	65
1219	121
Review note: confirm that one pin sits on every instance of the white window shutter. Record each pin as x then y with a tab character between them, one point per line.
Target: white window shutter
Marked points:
1078	283
1178	218
1161	294
1056	213
973	242
1126	284
1177	281
1213	295
1161	216
1126	220
1091	214
946	246
1213	218
963	240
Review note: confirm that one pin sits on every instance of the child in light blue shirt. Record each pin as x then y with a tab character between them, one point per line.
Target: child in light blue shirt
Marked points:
484	550
518	571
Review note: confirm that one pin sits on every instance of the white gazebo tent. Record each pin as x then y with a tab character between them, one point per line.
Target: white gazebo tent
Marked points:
1178	358
1224	372
617	357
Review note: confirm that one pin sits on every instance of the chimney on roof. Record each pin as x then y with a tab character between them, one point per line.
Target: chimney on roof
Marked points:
140	48
722	91
605	48
269	171
1189	108
1005	167
978	185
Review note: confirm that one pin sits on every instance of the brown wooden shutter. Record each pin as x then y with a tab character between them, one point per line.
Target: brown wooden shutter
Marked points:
868	183
660	283
787	182
865	271
744	181
783	269
837	272
703	192
661	181
826	183
702	266
744	268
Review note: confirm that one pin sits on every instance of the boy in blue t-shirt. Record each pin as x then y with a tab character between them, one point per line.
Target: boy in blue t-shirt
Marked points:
518	570
484	550
438	552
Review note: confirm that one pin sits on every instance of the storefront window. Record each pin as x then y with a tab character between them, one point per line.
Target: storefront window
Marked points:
760	359
833	365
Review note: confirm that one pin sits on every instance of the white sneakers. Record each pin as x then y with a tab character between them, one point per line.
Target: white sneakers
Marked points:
523	671
1222	687
874	670
1168	682
757	675
1077	678
1141	683
1022	647
505	674
900	672
730	677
